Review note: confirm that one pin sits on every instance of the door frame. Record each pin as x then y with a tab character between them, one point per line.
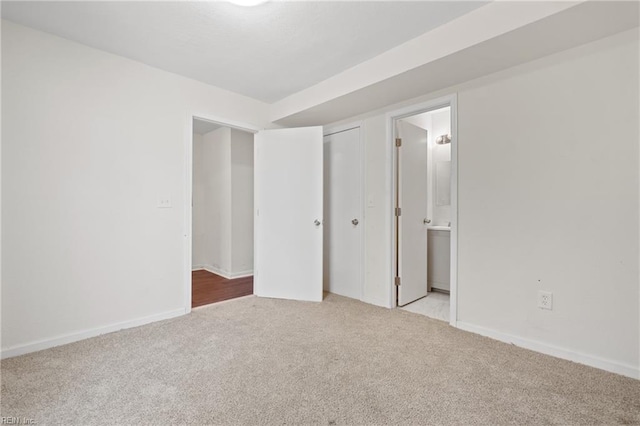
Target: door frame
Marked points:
327	131
188	190
391	118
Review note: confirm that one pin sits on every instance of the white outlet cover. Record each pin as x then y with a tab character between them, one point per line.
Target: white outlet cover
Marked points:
545	300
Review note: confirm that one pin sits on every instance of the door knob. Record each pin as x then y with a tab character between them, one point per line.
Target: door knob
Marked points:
317	222
355	221
426	221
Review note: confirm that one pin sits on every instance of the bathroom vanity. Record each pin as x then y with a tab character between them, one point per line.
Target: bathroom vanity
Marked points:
438	258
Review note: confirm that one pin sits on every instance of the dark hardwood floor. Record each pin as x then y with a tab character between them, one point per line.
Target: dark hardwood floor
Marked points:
207	288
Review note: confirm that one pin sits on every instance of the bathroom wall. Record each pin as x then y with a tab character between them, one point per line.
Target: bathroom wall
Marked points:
440	200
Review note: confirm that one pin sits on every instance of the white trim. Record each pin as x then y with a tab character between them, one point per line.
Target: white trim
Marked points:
256	185
453	278
188	213
188	195
556	351
390	180
328	131
223	274
391	117
363	209
86	334
225	122
241	274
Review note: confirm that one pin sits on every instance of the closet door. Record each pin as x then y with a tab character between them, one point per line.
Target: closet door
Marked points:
343	213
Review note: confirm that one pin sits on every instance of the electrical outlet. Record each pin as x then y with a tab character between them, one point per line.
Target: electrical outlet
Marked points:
545	300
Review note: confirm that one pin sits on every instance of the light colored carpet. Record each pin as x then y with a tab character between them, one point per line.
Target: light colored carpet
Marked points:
263	361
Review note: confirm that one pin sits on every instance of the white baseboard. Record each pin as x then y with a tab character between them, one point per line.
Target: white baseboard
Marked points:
213	270
558	352
242	274
224	274
199	268
85	334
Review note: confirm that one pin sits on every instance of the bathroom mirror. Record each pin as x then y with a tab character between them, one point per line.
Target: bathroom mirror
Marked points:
443	183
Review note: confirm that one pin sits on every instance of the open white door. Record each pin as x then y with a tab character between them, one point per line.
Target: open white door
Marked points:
412	233
288	217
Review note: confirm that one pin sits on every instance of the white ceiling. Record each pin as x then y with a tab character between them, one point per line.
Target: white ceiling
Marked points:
495	37
267	52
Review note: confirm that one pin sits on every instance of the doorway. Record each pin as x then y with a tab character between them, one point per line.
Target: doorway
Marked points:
287	210
221	212
425	209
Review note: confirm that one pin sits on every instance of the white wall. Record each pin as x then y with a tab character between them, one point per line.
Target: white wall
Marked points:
90	143
241	202
212	202
198	234
223	202
217	156
547	201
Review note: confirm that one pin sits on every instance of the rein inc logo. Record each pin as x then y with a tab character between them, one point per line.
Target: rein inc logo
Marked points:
6	420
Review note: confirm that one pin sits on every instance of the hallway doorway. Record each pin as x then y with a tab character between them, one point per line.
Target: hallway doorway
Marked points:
222	212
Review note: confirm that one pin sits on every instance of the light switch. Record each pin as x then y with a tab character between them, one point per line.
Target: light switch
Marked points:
164	202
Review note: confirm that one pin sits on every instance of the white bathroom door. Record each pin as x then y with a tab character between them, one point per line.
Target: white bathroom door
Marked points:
412	231
288	213
343	214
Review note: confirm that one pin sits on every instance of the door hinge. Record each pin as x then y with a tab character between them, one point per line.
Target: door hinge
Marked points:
397	281
398	142
398	211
